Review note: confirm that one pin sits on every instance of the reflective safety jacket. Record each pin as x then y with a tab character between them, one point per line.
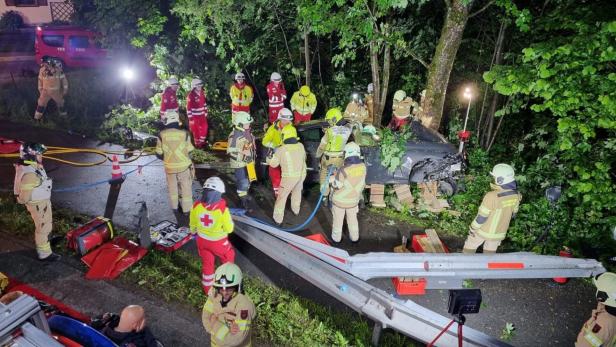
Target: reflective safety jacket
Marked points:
174	145
276	95
495	212
52	80
369	99
292	160
169	102
273	135
334	140
196	103
303	104
348	183
599	330
211	221
402	109
31	183
241	148
355	112
241	97
239	310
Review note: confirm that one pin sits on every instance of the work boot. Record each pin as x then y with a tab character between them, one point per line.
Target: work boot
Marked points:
55	240
51	258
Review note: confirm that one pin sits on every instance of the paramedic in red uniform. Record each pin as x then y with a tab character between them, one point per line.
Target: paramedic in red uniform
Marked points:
169	99
196	109
276	94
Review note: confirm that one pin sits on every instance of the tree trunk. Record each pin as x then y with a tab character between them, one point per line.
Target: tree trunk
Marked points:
498	59
376	81
378	113
307	56
442	62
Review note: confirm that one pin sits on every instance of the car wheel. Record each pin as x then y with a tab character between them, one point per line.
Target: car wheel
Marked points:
447	187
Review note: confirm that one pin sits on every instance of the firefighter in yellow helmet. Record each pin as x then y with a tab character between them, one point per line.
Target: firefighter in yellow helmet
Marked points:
600	329
348	184
52	85
33	189
291	157
303	105
174	145
497	209
331	148
356	112
242	151
228	313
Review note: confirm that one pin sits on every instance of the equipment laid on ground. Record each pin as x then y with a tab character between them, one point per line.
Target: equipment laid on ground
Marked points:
90	235
109	260
461	302
15	329
168	237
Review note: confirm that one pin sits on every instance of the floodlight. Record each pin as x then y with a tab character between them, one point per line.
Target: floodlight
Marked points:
127	74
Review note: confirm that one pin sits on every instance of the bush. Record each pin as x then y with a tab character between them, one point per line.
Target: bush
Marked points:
11	21
123	122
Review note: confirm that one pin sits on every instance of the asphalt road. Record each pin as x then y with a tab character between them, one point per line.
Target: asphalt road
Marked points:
543	313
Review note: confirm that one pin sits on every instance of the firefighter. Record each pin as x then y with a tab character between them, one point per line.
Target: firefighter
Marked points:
401	110
169	99
52	85
196	109
228	313
600	329
33	189
369	100
272	140
211	221
276	95
291	158
241	150
303	104
174	145
497	209
241	95
356	112
331	148
348	184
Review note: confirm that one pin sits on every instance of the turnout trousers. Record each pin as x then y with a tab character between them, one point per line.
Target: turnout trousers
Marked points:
42	217
289	186
208	251
183	195
339	214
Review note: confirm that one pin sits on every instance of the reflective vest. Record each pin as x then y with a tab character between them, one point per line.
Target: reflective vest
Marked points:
211	221
303	104
174	145
276	95
36	181
292	160
336	138
196	104
239	310
355	112
599	330
169	101
51	79
495	212
349	184
241	148
402	109
241	97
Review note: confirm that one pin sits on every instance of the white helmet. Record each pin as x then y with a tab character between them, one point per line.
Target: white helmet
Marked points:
171	116
606	288
239	76
351	149
195	83
503	174
172	80
214	183
370	88
275	77
285	114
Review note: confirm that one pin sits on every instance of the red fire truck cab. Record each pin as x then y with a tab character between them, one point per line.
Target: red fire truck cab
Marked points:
71	46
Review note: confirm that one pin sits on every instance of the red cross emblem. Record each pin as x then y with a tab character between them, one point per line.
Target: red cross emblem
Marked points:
206	220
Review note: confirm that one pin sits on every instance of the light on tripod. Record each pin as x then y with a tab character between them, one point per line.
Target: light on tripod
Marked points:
461	302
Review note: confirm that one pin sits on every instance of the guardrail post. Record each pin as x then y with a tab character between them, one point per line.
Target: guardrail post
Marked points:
376	333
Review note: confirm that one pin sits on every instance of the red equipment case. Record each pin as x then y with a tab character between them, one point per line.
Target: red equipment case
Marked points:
90	235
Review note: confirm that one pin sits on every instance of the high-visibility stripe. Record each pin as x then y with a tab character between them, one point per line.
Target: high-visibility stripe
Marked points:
222	332
209	306
484	210
496	266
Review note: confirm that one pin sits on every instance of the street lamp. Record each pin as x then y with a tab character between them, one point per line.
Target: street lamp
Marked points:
464	135
128	75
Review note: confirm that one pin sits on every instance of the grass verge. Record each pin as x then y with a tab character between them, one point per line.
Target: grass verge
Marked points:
283	319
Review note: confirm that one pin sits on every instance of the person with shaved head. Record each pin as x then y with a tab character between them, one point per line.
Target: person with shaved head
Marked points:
130	329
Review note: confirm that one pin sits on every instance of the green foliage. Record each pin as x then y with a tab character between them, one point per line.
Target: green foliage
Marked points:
123	121
11	21
508	332
393	147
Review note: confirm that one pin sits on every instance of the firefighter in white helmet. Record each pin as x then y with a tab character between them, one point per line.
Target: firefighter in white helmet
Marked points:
242	152
276	96
272	140
169	98
174	145
228	313
196	110
497	209
33	189
52	85
600	329
241	95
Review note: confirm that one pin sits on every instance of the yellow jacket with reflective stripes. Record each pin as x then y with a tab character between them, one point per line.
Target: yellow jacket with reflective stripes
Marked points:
303	104
174	145
211	221
239	310
349	183
495	213
292	160
334	140
599	330
273	135
241	96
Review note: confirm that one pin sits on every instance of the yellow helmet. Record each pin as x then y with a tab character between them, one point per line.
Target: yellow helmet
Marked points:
288	132
333	116
304	90
606	288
